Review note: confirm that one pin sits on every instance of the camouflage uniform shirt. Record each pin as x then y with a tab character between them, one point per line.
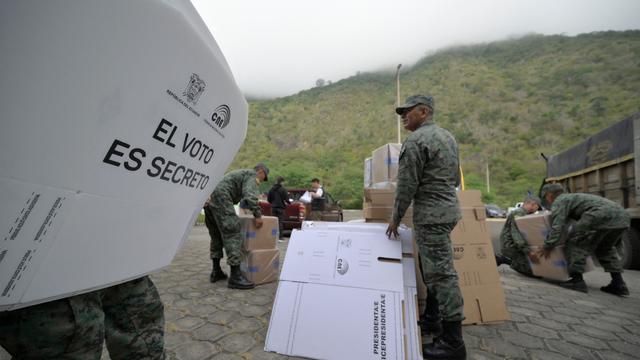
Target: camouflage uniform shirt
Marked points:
590	211
239	185
428	175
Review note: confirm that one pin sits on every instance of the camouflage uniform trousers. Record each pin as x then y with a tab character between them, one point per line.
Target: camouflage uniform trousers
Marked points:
129	317
441	278
225	231
519	260
603	244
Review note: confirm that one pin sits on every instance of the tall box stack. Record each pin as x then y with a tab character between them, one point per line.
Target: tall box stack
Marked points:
534	229
261	263
474	260
379	194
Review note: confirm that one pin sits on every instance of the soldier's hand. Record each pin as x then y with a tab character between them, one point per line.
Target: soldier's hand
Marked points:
533	256
392	229
257	222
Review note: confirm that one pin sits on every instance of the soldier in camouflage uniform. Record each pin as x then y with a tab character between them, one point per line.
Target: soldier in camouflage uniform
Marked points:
224	224
599	228
515	249
428	175
129	317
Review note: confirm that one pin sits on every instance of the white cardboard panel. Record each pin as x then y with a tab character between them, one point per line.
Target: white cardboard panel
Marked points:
344	258
335	322
114	133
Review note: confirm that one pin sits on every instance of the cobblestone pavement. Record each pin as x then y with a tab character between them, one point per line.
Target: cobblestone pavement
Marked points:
209	321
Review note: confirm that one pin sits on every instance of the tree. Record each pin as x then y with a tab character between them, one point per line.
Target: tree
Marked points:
320	83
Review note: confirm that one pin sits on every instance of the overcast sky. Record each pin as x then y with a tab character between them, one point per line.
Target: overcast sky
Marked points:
279	47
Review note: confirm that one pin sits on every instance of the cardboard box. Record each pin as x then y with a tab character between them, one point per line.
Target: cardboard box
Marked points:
470	198
484	300
380	197
106	155
535	228
345	289
367	172
264	238
384	163
474	260
378	206
261	266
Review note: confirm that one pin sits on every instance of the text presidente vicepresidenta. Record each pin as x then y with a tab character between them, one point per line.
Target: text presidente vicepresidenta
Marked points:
380	327
133	158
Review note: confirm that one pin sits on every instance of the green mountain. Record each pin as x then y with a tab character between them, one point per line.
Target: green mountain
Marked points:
505	102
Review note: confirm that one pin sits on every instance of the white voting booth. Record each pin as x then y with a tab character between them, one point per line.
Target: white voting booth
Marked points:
346	292
117	121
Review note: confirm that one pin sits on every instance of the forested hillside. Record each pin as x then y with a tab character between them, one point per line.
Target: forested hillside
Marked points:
505	102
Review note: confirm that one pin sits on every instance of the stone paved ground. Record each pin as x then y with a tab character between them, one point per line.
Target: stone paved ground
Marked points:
209	321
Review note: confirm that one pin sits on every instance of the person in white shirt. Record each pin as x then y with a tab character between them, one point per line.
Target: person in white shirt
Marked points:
317	199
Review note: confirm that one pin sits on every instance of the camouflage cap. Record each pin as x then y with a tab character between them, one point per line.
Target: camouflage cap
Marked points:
416	100
264	168
551	188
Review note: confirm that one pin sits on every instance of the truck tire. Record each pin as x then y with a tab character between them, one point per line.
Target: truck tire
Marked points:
630	249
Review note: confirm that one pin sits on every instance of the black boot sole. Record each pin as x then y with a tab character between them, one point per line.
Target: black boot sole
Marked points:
615	291
241	287
216	278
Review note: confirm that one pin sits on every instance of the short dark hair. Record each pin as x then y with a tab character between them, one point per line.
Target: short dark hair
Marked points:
280	180
315	180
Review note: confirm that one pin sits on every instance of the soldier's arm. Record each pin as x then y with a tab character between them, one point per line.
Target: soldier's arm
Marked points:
518	240
560	216
411	163
250	195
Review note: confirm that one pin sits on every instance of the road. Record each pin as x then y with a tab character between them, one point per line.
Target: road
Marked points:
209	321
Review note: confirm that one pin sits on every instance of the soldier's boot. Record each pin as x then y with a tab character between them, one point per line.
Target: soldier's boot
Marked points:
575	283
216	271
430	321
238	281
617	286
448	346
501	259
430	327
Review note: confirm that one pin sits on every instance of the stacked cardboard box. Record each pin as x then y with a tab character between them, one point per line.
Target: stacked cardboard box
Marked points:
346	292
261	262
474	260
384	163
377	206
535	228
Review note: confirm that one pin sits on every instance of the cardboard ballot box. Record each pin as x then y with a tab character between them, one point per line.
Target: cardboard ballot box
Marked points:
261	266
346	288
535	228
107	152
384	163
259	239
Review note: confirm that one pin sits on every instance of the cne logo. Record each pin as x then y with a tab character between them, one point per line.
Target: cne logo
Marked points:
194	89
342	267
221	116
